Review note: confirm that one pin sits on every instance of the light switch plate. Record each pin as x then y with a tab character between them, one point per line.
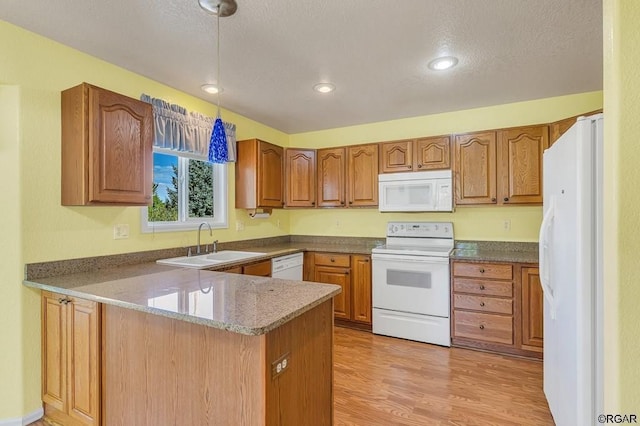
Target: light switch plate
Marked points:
121	231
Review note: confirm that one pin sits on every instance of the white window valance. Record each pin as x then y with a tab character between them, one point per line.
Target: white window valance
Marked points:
177	129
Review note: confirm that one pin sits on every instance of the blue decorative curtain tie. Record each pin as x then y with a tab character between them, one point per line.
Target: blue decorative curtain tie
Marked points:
218	144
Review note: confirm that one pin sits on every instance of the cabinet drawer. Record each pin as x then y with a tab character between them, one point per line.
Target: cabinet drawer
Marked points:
483	270
262	269
485	327
332	259
485	304
484	287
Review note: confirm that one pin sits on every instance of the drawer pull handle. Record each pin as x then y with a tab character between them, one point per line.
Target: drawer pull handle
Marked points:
481	286
332	259
482	270
481	327
481	303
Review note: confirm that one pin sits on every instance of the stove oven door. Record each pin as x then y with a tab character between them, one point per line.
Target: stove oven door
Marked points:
412	284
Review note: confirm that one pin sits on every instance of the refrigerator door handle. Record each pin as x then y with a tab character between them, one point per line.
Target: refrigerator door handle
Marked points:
545	255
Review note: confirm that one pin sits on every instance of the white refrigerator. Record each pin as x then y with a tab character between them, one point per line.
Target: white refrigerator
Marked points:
571	273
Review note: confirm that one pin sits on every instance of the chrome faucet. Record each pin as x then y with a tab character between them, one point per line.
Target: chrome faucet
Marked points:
199	230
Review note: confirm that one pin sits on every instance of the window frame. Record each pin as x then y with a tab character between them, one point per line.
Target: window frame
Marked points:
220	217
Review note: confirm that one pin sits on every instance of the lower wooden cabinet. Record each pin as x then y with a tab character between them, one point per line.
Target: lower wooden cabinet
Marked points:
353	274
260	269
496	307
70	359
532	307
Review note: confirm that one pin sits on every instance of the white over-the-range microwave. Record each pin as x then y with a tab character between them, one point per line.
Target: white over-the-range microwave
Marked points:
428	191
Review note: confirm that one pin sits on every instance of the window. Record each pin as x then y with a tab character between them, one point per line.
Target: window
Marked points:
186	191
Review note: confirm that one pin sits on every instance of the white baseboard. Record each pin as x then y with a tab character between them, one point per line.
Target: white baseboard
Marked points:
25	420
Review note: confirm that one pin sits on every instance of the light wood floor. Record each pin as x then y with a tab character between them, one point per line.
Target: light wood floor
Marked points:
382	380
386	381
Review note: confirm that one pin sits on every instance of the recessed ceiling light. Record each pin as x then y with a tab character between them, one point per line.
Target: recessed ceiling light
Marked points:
443	63
324	87
211	88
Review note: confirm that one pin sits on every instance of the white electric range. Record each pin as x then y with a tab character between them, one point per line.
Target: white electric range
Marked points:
411	282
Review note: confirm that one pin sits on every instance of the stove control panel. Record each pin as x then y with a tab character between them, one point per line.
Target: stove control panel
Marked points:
420	229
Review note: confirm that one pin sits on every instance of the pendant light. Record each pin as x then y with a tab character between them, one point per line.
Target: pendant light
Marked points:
218	152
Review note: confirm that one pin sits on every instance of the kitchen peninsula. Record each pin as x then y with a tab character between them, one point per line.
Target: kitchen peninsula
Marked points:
149	344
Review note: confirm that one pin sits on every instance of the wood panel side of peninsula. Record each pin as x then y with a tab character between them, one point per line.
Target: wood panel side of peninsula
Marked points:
161	371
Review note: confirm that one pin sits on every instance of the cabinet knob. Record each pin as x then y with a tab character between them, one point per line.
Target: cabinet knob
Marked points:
482	270
481	327
350	202
419	166
409	166
481	303
366	260
342	203
332	259
493	200
313	203
481	286
64	300
506	199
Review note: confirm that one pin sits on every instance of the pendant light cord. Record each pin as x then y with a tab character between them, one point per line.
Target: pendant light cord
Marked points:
218	41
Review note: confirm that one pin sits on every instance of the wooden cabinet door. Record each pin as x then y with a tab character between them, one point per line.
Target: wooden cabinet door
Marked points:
71	358
532	308
120	148
475	168
433	153
520	164
83	361
308	266
558	128
270	175
54	361
300	168
341	277
361	288
396	156
331	177
362	175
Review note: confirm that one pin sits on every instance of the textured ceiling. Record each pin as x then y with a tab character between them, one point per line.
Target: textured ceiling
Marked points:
375	52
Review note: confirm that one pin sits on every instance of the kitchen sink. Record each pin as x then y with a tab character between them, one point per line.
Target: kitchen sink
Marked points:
207	260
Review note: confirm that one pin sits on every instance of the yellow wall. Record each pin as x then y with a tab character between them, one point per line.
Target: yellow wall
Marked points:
622	205
470	223
10	254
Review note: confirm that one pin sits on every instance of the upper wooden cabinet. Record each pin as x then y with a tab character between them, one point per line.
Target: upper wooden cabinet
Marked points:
520	164
430	153
396	156
362	175
558	128
475	168
300	168
259	175
331	177
107	142
503	167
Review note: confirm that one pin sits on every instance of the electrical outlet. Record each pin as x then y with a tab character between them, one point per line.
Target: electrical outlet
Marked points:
121	231
278	223
506	225
280	365
239	225
337	223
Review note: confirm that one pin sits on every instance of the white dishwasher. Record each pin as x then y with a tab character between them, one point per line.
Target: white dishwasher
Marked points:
287	267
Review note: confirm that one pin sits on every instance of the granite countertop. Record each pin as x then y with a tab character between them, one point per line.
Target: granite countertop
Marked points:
238	303
495	251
